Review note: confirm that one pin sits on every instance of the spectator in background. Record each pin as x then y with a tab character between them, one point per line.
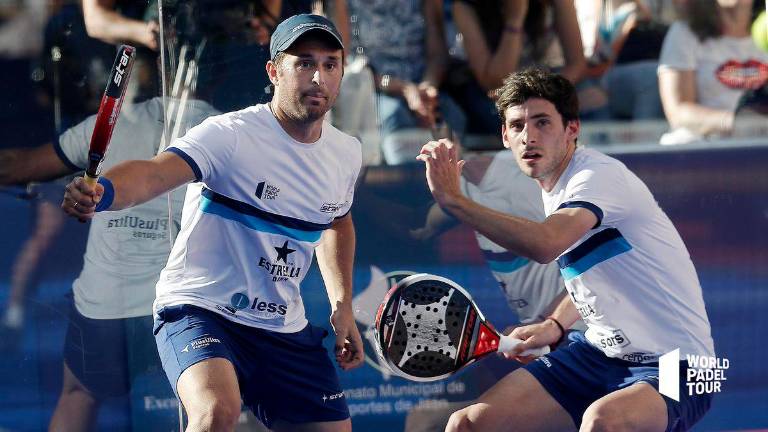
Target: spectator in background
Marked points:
232	36
708	61
23	121
116	22
405	46
622	43
633	35
502	36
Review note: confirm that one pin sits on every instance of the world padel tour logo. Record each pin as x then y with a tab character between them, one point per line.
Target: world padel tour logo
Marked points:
267	191
703	374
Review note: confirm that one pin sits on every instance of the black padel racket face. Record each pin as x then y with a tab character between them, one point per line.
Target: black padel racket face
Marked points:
426	327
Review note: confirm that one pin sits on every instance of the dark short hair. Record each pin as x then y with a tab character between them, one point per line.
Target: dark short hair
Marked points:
539	83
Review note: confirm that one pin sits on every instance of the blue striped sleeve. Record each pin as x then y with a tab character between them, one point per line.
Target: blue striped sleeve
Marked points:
60	153
586	205
188	159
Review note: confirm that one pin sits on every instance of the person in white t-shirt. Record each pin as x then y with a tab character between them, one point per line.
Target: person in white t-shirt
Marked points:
532	290
108	339
708	61
274	183
626	269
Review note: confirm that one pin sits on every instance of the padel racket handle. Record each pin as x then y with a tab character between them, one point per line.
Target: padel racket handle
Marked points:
508	343
91	181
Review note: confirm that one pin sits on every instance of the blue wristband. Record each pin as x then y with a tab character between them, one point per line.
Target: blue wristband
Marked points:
108	196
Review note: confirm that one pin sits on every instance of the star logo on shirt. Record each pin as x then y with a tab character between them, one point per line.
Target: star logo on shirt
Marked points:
284	251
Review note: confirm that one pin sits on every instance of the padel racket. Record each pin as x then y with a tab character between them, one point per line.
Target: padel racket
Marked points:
109	110
428	328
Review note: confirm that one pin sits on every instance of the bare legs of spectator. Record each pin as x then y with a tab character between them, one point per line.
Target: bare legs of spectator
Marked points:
49	221
76	409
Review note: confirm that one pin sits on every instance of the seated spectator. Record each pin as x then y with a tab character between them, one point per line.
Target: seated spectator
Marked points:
707	63
405	47
626	39
502	36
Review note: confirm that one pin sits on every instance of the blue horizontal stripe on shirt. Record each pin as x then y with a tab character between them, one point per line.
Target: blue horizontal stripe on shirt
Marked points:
508	266
504	262
499	256
602	246
260	220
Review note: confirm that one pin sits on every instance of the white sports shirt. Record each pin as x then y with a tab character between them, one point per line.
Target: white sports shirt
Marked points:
126	249
725	67
631	276
529	287
250	227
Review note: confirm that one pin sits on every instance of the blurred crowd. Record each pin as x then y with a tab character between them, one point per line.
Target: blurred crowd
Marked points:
415	68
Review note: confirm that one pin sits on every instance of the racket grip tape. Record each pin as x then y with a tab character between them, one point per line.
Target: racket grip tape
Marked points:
91	180
508	343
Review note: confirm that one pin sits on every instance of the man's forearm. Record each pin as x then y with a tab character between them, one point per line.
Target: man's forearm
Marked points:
437	50
138	181
109	26
566	313
701	119
335	257
26	165
519	235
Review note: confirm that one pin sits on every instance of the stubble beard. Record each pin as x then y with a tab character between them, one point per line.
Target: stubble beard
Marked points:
302	113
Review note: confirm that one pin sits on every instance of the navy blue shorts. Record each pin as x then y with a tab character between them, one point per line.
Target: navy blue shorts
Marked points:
578	374
285	376
106	354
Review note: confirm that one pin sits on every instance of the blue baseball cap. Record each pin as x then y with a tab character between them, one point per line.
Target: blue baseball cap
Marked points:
291	29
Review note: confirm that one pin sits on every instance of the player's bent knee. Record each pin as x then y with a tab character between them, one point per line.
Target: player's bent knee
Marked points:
601	418
459	421
219	416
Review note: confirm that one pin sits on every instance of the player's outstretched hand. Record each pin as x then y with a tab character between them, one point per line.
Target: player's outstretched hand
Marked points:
533	336
443	170
80	199
349	344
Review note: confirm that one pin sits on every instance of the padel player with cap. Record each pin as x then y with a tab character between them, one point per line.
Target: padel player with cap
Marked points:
274	183
626	269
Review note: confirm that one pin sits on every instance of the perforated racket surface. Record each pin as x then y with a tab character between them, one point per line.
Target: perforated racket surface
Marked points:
427	328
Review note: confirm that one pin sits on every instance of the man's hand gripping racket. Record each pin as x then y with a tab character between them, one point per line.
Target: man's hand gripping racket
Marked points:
428	328
82	194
